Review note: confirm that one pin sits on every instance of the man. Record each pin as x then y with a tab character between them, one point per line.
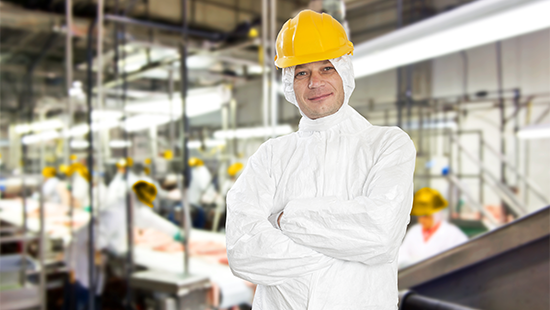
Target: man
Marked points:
433	234
338	192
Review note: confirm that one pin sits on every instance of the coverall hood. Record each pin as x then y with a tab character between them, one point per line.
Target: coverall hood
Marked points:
343	66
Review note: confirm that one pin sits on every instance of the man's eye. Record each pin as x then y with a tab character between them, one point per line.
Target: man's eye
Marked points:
299	74
328	68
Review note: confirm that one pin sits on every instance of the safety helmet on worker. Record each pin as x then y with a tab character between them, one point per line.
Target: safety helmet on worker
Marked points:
49	172
310	37
234	169
195	162
427	201
145	192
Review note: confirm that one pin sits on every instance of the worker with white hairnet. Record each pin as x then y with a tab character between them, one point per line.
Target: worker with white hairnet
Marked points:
80	188
51	186
433	234
317	216
111	236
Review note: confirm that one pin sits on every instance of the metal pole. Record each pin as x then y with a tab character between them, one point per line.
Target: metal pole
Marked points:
272	39
502	110
99	89
399	17
184	154
68	75
91	241
172	127
263	50
42	252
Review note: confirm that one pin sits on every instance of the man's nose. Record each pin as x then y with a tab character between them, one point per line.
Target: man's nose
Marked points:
316	80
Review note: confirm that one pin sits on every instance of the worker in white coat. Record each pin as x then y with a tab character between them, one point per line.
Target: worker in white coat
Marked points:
201	179
433	234
111	235
317	216
116	192
51	186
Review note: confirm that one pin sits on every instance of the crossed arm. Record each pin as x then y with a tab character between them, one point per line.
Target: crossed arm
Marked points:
316	231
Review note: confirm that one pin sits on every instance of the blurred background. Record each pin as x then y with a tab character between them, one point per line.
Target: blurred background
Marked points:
96	95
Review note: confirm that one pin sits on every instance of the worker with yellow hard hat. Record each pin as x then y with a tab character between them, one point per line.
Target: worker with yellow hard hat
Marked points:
52	187
329	204
111	236
433	234
118	187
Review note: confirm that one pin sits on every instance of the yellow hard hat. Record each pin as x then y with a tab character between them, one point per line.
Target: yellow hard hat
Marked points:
195	162
234	169
427	201
310	37
49	172
82	170
147	161
168	155
63	169
147	170
122	163
73	157
145	192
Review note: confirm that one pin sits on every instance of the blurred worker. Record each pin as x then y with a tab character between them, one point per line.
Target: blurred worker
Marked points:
233	171
317	216
433	234
51	188
111	236
119	185
199	183
80	182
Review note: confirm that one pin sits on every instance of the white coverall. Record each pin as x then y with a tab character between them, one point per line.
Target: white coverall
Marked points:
415	249
50	190
346	190
200	180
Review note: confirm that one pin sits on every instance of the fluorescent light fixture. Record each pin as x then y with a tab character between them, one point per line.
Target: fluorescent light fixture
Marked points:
144	121
101	115
468	26
199	101
40	137
118	144
252	132
195	144
541	131
39	126
79	144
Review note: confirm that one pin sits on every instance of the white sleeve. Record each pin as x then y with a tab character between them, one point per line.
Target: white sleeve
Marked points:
146	218
368	229
258	252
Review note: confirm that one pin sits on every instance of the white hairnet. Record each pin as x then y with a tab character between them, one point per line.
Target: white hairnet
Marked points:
343	66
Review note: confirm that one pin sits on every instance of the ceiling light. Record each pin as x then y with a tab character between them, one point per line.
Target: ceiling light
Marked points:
79	144
144	121
39	126
199	101
118	144
540	131
468	26
40	137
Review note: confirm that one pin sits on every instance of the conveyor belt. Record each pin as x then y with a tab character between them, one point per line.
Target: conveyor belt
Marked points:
507	268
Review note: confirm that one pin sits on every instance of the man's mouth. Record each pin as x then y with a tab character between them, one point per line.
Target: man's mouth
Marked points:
321	97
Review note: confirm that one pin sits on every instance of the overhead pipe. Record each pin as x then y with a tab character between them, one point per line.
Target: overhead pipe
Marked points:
153	25
409	300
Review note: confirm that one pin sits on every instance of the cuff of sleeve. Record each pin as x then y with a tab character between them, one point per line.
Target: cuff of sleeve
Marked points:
273	219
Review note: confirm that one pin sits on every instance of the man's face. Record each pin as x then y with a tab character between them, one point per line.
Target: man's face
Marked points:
427	221
319	89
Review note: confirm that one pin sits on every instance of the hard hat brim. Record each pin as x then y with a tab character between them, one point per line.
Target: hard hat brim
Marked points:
290	61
